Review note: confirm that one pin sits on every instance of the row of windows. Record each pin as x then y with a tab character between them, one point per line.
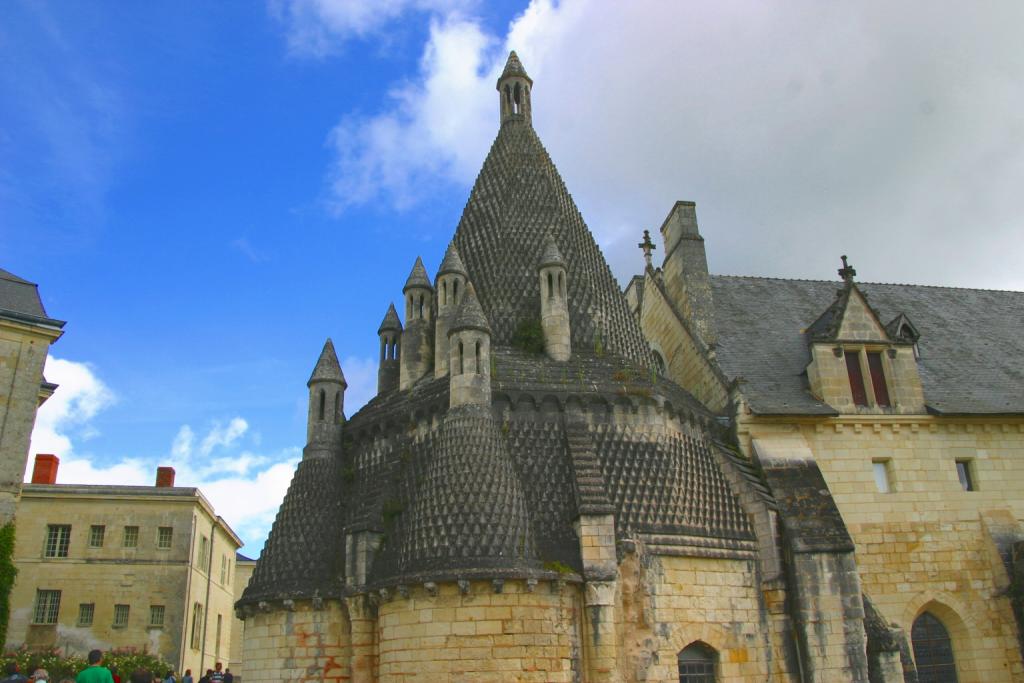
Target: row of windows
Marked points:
933	654
204	561
58	538
882	469
197	629
47	611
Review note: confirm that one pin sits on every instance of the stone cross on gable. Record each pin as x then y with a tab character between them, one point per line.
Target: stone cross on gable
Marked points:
847	271
648	246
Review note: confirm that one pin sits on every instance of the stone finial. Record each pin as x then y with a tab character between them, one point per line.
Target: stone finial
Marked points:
418	277
514	67
391	321
452	262
648	246
847	271
551	256
470	315
327	369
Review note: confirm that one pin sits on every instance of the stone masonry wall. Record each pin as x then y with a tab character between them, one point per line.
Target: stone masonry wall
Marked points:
523	633
298	646
927	544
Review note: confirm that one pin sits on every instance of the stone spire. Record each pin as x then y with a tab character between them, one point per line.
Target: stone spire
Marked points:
326	403
514	88
417	277
450	288
418	337
554	308
470	315
452	262
469	339
388	371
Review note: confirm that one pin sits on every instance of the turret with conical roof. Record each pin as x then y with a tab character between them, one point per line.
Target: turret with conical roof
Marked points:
554	312
514	91
451	284
326	402
390	332
469	336
418	338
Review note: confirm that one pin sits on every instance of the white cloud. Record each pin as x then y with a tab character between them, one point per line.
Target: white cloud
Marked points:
801	130
184	440
321	27
67	413
361	376
222	436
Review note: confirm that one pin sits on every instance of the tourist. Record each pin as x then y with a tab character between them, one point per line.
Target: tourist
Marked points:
169	678
141	676
40	675
218	675
187	678
13	675
228	676
95	672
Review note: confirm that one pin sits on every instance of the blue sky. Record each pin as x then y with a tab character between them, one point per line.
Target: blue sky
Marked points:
206	191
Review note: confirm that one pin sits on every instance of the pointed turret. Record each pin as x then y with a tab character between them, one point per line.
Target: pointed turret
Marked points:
451	284
390	332
514	91
469	338
326	402
418	338
554	308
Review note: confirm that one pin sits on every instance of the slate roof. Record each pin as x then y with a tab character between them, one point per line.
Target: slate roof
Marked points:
21	298
452	262
469	315
327	366
418	277
519	198
391	321
971	341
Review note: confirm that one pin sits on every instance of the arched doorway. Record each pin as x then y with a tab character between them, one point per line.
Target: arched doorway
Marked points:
933	650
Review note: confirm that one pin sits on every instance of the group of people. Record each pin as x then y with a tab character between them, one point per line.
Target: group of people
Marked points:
97	673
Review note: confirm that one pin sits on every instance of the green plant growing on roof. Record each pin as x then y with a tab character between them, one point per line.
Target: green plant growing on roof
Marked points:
558	567
529	336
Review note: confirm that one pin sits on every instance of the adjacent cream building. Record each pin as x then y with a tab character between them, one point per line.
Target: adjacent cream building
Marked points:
111	566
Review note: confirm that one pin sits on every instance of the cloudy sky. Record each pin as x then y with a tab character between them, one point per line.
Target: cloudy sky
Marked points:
206	191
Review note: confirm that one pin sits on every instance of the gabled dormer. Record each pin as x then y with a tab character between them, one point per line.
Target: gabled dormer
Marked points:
858	364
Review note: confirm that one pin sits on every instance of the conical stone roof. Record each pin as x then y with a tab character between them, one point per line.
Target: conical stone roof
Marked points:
391	321
327	367
518	198
452	262
551	256
418	277
469	315
513	67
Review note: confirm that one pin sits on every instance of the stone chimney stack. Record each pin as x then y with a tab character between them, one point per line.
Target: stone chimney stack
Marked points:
326	401
390	333
686	270
514	87
44	471
554	307
469	339
164	477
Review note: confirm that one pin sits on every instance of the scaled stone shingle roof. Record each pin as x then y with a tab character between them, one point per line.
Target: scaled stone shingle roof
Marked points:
971	344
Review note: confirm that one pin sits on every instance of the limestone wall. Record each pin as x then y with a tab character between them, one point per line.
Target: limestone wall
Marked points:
928	544
523	633
298	646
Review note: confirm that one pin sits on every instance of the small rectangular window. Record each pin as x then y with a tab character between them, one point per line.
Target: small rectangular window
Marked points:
156	616
878	378
860	396
963	472
131	537
164	537
97	532
47	607
881	470
86	613
58	540
121	613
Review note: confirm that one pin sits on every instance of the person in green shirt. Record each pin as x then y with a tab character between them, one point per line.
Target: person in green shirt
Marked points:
96	672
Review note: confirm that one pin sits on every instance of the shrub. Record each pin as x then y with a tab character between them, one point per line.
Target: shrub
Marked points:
529	336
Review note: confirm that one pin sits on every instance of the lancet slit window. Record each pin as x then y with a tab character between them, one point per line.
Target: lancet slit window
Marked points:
323	400
461	359
337	405
478	370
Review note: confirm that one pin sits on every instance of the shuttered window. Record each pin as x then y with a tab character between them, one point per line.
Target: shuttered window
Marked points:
860	396
878	378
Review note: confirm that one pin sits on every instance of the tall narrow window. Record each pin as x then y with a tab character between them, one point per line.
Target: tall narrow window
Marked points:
58	539
223	569
551	287
323	399
561	284
86	612
121	613
860	396
462	364
204	552
878	378
156	616
455	292
47	607
881	470
933	651
131	537
164	537
216	643
197	626
96	534
963	473
479	370
697	664
337	406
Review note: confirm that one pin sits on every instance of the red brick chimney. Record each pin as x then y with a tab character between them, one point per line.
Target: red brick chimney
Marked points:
164	477
45	469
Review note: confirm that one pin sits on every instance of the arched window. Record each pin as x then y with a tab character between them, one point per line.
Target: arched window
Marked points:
551	288
462	359
697	664
455	291
659	362
337	406
323	400
933	651
515	100
444	292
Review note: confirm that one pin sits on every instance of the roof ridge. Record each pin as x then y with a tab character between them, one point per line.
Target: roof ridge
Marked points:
864	282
